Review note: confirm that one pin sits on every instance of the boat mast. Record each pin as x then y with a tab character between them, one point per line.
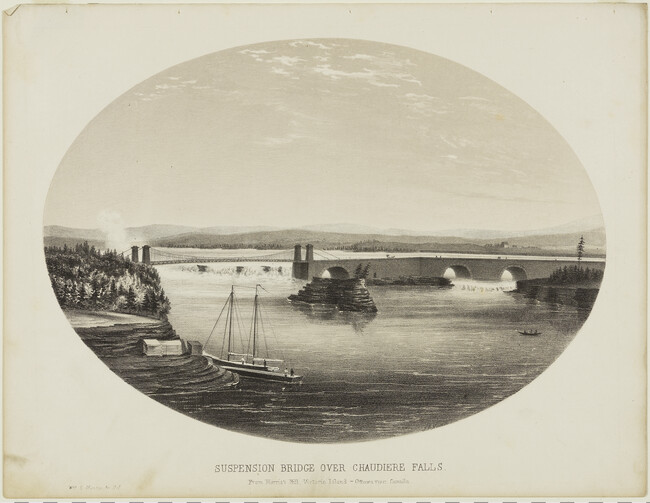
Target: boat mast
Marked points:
232	301
255	321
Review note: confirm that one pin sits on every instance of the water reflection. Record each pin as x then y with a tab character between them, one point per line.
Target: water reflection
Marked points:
453	352
324	313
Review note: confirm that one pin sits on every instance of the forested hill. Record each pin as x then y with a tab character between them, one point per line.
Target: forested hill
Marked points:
85	278
286	239
544	243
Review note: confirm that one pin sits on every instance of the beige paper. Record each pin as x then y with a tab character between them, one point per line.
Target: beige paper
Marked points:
73	429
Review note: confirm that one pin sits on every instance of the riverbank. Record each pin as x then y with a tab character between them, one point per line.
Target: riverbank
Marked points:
580	295
79	318
115	339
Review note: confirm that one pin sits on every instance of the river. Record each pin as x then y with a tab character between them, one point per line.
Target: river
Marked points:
429	357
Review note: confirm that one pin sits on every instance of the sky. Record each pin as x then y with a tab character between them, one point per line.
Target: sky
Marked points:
306	132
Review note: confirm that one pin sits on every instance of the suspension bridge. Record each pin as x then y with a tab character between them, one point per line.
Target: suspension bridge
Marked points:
319	263
157	256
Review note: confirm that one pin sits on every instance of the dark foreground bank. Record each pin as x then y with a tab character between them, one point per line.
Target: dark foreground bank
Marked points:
116	340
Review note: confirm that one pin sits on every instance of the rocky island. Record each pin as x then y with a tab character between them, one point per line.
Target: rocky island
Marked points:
344	294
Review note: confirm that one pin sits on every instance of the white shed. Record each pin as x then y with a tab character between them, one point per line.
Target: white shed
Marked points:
152	347
174	347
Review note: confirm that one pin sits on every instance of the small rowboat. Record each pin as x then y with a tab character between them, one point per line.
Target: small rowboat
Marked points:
529	332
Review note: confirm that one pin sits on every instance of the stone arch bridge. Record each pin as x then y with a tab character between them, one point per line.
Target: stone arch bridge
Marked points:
467	267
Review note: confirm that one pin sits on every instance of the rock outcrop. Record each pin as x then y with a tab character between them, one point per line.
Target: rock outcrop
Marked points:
345	294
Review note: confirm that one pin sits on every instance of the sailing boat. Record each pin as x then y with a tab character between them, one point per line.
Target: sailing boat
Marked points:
249	364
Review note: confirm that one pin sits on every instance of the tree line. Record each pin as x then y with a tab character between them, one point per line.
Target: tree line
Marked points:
83	277
575	274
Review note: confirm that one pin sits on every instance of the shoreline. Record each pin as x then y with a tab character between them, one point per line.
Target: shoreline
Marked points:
115	338
582	296
80	318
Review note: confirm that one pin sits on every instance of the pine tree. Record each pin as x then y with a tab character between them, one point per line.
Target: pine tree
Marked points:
130	298
113	291
581	248
154	304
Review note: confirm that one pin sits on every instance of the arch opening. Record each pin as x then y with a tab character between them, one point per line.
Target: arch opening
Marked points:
457	272
513	273
336	272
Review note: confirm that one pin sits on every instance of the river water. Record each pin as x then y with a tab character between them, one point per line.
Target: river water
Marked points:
429	357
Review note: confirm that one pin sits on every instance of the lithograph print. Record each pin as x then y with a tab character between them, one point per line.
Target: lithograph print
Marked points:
322	241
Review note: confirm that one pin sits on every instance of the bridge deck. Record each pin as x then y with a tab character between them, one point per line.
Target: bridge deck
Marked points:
204	259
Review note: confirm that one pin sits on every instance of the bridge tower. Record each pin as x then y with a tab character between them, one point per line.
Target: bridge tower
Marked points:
134	253
302	269
146	257
298	269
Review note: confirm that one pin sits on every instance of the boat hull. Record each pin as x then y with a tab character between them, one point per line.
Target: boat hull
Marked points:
255	371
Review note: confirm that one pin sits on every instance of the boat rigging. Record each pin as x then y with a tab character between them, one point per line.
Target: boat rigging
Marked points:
247	364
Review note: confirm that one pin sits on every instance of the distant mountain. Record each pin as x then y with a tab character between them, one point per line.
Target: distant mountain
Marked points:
330	240
288	238
582	225
344	229
577	226
155	231
71	232
349	236
225	230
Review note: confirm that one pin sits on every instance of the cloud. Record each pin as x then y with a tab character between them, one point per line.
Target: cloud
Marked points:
367	57
281	71
378	71
506	197
381	84
421	97
256	54
166	88
448	142
479	103
425	104
255	51
406	77
370	76
310	43
169	86
287	60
